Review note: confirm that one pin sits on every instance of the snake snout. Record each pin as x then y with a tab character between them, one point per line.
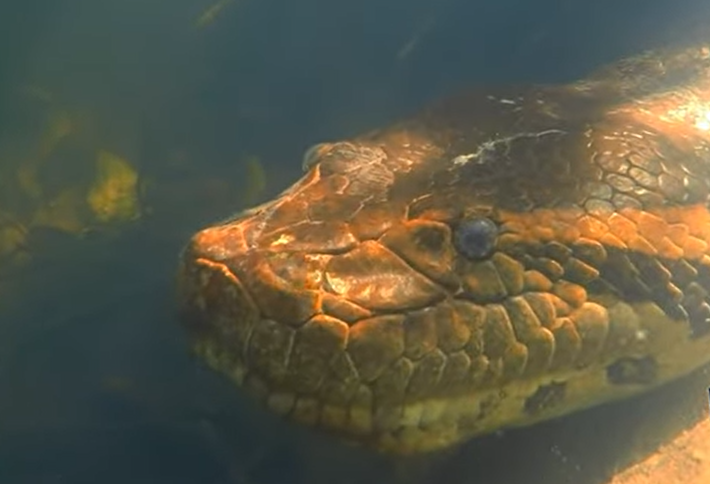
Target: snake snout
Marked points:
255	314
305	333
216	309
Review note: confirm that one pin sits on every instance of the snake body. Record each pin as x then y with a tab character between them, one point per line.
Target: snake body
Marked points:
506	256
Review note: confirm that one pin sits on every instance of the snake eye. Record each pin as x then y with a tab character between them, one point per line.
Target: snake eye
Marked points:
476	238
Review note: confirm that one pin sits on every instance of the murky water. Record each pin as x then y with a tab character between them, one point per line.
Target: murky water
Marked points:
126	126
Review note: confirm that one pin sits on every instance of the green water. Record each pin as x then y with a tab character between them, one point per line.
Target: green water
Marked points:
206	108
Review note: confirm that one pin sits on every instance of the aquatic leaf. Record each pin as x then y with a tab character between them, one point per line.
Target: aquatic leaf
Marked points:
113	197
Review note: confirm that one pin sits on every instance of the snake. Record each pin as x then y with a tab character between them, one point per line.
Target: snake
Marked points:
508	255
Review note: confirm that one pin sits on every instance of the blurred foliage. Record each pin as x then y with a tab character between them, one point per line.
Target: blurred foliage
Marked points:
139	121
71	171
113	197
56	176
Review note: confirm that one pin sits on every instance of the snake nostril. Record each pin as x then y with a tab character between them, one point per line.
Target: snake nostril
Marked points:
218	244
476	238
313	154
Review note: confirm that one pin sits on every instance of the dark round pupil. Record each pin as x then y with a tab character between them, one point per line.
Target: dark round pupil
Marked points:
476	238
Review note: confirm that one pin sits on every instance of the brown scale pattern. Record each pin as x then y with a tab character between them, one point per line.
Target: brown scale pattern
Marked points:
345	303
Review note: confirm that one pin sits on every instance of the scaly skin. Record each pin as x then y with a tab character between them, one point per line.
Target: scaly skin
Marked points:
345	304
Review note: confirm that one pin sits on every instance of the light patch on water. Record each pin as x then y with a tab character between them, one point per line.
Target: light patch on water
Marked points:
489	147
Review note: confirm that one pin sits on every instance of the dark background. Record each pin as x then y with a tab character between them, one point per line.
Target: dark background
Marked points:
95	382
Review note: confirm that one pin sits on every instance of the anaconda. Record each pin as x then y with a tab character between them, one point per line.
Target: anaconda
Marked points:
507	256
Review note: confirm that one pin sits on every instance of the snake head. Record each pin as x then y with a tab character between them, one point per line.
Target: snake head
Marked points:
499	260
359	303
